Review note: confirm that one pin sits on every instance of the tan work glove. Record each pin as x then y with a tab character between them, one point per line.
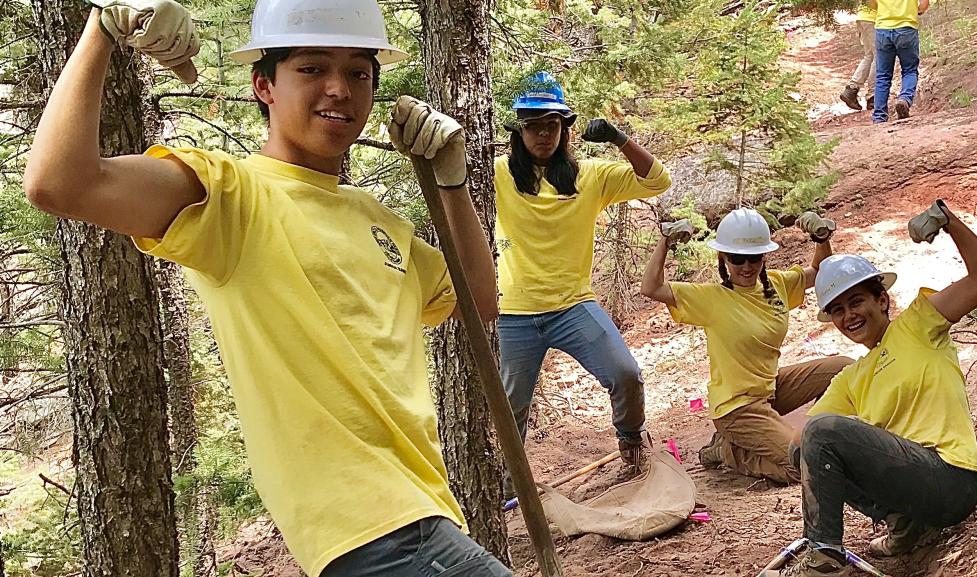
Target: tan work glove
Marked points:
928	224
161	29
418	129
678	232
819	228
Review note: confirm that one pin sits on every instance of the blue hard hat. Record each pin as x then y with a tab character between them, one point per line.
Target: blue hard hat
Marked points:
545	96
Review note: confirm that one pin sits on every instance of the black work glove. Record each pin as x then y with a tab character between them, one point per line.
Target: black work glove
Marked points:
600	130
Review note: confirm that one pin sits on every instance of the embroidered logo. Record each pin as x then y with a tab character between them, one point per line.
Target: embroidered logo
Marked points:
503	244
389	248
884	361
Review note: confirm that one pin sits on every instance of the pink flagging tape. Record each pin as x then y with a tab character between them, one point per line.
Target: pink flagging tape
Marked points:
673	449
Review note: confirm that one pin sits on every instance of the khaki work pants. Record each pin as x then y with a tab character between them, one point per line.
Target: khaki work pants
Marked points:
866	67
756	438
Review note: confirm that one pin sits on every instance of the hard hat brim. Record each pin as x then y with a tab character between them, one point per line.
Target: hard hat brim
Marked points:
888	279
387	54
729	249
568	115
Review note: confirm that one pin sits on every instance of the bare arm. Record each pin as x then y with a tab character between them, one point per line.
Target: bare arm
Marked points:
821	251
473	248
924	5
873	4
641	160
66	176
653	283
959	298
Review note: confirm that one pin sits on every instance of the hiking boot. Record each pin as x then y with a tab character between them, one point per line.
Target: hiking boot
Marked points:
711	455
902	108
870	102
824	562
850	97
904	535
631	450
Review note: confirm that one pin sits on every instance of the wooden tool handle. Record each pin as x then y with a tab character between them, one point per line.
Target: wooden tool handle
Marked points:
505	423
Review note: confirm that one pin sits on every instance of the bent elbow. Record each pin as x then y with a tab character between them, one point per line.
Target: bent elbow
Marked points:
42	197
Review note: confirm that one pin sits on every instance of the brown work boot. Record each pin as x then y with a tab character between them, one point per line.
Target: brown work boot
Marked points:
631	451
850	97
904	535
870	102
711	455
822	562
902	108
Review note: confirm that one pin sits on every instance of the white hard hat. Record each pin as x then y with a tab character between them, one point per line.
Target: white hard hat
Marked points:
840	272
743	231
317	23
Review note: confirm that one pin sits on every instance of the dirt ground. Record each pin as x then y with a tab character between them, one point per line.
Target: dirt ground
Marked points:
887	174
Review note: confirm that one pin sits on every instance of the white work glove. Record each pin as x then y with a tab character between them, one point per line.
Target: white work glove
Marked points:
678	232
928	224
418	129
819	228
161	29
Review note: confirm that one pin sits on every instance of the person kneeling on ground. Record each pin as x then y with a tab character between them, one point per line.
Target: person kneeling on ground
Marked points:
892	436
745	319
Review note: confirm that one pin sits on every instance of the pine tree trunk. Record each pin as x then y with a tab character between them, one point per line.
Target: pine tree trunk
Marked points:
113	346
183	427
455	47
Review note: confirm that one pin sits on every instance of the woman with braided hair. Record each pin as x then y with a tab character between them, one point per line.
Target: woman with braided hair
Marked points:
745	320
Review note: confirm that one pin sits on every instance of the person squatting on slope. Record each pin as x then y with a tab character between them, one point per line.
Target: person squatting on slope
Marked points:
317	292
893	435
865	71
548	203
745	319
896	36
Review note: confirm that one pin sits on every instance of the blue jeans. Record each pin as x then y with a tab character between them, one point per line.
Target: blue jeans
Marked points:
586	333
431	547
902	43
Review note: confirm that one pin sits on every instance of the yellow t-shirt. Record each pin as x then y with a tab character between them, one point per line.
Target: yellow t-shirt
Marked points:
911	385
317	294
744	333
866	13
894	14
546	241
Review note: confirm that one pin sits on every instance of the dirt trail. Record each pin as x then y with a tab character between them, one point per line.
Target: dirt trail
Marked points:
887	173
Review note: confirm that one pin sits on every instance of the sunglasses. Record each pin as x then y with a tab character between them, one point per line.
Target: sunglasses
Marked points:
741	259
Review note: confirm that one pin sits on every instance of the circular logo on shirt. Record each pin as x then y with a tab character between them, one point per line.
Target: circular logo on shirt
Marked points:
387	245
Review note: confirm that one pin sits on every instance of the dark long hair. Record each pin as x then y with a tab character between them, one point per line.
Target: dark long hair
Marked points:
561	170
768	290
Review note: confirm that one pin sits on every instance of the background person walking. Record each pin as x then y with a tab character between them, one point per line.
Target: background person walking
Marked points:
896	36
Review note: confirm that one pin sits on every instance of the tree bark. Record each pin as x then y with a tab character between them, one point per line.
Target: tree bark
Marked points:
455	46
181	393
113	345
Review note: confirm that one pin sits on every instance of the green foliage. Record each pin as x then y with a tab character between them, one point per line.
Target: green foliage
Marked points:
44	543
823	10
961	98
694	257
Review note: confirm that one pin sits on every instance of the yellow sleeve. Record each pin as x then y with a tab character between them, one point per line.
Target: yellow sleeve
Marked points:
437	292
618	181
694	303
208	236
794	285
925	323
836	400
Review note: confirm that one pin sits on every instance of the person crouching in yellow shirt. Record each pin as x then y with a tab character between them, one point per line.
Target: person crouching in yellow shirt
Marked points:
745	320
893	435
548	204
316	291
